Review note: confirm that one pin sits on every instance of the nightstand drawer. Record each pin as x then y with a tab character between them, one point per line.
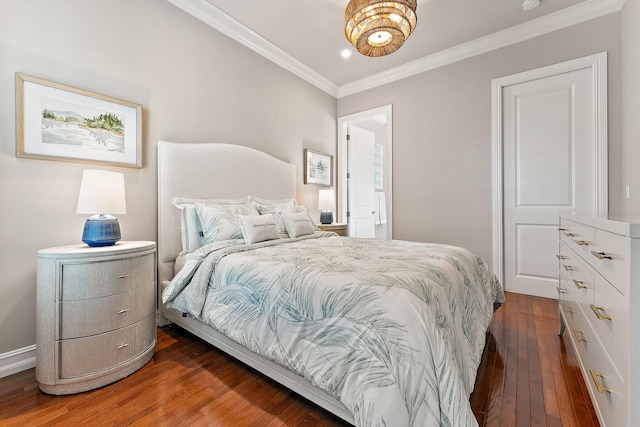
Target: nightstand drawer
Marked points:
95	316
85	356
99	279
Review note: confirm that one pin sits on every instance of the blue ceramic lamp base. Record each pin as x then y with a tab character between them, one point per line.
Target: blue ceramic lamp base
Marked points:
326	217
101	230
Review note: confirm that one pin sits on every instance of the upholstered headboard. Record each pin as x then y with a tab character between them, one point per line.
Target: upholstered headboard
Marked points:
211	171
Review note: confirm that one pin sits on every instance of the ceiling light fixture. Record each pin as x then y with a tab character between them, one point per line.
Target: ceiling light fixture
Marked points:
530	4
377	27
346	53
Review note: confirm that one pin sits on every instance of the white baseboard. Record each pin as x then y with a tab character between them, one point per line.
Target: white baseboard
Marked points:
17	361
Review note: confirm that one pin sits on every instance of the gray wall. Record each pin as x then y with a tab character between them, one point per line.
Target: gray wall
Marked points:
630	165
442	133
194	85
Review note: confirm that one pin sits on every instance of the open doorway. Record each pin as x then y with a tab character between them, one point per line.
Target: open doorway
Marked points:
365	173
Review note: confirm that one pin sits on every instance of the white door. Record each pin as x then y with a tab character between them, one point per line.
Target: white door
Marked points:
549	163
361	182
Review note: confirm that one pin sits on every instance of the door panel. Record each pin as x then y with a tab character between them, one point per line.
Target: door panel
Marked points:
548	167
361	183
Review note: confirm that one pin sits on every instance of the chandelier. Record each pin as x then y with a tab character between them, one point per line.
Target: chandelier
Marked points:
377	27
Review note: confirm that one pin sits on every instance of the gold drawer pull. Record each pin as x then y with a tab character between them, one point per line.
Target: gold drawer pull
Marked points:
569	267
560	290
561	256
595	376
581	242
123	345
123	276
569	234
562	229
597	310
579	284
124	310
579	338
601	255
568	308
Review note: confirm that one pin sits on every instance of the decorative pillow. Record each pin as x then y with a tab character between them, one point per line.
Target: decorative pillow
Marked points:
220	222
258	228
298	224
276	210
189	225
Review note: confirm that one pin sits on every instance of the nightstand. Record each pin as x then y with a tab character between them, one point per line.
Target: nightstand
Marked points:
336	227
95	317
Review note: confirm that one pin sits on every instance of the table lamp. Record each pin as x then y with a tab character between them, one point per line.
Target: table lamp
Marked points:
101	193
326	204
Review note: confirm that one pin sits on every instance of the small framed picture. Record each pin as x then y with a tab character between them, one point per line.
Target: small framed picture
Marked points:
318	168
58	122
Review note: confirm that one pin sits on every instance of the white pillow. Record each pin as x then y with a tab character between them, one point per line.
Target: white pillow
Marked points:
276	210
220	222
258	228
189	225
298	224
261	201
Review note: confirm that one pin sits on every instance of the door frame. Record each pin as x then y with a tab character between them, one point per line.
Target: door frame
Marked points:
385	112
597	64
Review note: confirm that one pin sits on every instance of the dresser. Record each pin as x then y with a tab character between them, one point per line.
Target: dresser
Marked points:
599	305
95	318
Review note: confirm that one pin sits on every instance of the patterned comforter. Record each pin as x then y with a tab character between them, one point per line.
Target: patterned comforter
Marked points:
394	330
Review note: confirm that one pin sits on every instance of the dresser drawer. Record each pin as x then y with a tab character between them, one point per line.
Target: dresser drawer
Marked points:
609	317
608	390
104	278
610	256
567	304
90	317
580	280
577	236
85	356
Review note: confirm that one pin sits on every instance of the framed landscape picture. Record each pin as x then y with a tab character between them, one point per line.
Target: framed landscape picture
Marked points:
58	122
318	168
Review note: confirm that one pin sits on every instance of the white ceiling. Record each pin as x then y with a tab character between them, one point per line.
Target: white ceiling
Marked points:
306	36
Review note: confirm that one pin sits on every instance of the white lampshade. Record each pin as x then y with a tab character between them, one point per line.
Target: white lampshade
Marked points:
102	192
326	199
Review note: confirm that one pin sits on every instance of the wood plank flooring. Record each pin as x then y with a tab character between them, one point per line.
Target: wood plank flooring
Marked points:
528	377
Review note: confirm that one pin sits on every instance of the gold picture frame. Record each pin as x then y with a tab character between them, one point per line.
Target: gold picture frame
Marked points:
63	123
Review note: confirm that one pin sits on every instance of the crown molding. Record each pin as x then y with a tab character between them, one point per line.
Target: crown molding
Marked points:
563	18
216	18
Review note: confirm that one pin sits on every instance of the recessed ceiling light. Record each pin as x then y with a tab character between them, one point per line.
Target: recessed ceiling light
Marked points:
530	4
346	53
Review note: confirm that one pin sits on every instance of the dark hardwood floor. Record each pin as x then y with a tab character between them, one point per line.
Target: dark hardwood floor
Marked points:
528	376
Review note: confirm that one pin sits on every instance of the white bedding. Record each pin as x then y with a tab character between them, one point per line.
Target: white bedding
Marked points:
394	330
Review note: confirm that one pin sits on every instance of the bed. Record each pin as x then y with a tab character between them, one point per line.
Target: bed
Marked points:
376	332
